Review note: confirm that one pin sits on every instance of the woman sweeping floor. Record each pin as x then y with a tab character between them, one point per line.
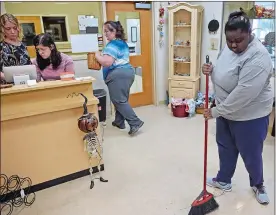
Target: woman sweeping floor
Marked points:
244	98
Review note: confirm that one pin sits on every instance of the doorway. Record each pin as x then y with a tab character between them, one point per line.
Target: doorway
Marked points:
137	25
31	26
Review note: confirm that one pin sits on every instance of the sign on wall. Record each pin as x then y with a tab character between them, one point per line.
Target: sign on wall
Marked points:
88	24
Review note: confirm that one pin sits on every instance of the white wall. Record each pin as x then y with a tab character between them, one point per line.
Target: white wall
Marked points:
211	10
161	54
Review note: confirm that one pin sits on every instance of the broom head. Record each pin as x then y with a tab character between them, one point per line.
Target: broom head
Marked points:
204	204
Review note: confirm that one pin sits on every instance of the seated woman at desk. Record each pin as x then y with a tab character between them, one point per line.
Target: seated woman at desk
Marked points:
12	51
50	63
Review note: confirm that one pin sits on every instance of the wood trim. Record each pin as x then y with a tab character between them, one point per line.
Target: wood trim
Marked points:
50	15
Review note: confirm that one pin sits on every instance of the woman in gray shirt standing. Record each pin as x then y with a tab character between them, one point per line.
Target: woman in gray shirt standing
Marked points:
243	98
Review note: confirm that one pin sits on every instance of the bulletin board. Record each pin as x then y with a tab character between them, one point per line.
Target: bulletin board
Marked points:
88	24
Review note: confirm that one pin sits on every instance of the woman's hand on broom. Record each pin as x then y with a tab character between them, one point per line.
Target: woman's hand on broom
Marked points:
207	68
207	114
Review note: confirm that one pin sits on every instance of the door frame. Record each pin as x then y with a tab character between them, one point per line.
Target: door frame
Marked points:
153	50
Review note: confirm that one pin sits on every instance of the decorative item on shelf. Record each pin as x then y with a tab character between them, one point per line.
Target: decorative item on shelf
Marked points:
182	23
182	43
88	124
15	192
178	43
161	25
188	43
92	61
182	59
182	74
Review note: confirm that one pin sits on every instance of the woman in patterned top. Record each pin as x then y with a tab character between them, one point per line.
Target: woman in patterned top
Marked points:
119	76
12	51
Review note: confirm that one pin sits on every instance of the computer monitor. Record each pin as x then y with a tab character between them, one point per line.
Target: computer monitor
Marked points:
10	71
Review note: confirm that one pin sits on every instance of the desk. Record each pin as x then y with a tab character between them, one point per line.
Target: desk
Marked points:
40	138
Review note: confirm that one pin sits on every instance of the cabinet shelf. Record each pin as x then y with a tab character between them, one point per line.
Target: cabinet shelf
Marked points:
175	61
181	46
184	76
182	26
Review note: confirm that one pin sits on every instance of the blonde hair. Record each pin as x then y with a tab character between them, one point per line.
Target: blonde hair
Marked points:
8	18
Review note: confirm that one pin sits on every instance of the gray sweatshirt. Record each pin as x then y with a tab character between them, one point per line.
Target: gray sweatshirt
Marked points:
242	83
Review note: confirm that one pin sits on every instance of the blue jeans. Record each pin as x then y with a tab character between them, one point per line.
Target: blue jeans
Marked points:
245	138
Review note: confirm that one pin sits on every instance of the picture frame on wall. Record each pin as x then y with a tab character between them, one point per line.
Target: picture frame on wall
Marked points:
214	42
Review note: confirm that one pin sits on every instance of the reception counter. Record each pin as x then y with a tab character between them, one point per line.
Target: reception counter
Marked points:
40	138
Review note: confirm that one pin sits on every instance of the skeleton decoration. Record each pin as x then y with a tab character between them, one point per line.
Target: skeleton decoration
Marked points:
88	124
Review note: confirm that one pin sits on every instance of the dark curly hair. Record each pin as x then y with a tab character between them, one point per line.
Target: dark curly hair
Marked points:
238	20
55	57
111	25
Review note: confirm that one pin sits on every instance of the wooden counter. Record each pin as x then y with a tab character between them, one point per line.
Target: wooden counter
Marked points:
40	138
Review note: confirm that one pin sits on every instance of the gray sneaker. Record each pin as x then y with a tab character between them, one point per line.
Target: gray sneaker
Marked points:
212	182
261	195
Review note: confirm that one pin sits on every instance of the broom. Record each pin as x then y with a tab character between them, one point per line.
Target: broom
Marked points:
205	202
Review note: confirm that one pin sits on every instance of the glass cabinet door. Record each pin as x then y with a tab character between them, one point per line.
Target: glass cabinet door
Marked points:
182	42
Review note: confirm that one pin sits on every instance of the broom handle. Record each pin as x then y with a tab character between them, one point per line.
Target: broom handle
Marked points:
206	129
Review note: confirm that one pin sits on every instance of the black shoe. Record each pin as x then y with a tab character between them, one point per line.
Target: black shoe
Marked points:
118	126
133	130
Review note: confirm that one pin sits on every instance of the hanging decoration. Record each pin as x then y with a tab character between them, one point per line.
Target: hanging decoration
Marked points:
213	26
161	25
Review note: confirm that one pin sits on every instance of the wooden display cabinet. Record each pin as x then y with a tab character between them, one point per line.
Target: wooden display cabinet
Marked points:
185	24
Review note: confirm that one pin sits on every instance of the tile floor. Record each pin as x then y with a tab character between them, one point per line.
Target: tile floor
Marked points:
158	172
